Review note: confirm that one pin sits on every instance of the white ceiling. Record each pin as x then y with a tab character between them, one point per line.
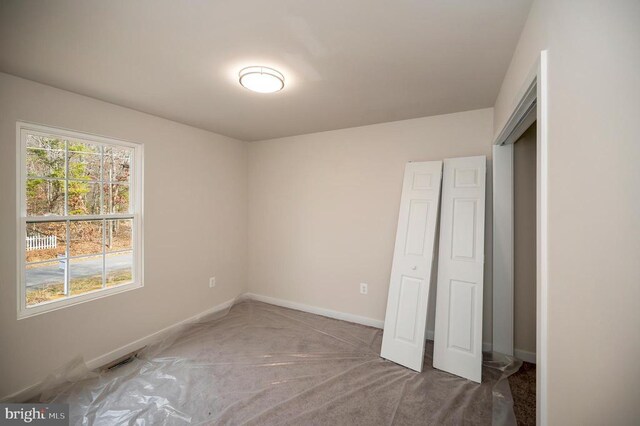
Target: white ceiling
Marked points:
346	62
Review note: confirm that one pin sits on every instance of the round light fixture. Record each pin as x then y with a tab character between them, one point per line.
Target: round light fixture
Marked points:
261	79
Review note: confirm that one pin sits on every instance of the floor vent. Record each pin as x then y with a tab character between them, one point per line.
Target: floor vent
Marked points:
122	360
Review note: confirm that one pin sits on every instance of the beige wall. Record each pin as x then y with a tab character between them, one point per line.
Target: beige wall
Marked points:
594	213
195	226
524	205
323	208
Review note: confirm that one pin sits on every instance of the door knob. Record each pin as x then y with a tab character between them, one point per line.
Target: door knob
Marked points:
414	267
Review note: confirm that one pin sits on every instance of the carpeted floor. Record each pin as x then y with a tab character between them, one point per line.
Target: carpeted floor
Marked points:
523	391
265	365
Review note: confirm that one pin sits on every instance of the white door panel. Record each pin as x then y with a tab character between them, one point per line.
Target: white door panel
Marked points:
406	317
458	330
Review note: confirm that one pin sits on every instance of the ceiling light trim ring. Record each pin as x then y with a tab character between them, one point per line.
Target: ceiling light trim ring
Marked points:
262	71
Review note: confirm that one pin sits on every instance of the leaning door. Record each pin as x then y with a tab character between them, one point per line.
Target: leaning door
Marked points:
406	317
458	330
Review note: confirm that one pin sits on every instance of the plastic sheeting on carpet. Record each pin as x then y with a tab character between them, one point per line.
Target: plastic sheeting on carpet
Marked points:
266	365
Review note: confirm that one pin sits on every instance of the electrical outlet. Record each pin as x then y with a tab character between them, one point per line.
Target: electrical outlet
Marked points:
212	282
364	288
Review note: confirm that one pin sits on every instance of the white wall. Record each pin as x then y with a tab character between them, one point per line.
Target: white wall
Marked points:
323	208
594	212
195	226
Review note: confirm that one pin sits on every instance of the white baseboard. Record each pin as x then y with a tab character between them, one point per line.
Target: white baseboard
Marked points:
486	346
111	356
315	310
525	355
102	360
153	337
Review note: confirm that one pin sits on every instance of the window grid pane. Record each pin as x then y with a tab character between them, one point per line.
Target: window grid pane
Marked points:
86	274
51	287
85	161
119	268
45	197
46	163
45	241
87	238
95	253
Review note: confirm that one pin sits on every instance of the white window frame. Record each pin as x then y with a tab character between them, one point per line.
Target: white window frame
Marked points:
135	205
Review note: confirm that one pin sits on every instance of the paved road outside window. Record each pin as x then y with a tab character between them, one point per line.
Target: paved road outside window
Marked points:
53	274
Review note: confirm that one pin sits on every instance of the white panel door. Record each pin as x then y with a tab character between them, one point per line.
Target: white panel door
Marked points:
406	318
458	331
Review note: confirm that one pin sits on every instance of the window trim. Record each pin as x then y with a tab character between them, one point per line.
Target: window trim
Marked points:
135	203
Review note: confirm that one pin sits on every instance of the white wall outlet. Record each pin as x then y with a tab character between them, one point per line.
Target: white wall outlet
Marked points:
364	288
212	282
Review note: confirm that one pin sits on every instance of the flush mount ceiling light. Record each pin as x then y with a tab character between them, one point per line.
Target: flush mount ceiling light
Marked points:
261	79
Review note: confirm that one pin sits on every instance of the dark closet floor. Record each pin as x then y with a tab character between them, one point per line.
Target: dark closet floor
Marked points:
523	391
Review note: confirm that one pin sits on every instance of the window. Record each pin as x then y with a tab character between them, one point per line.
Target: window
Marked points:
80	233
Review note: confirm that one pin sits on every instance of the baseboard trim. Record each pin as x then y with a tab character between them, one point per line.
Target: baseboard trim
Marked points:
486	346
154	337
33	390
525	355
316	310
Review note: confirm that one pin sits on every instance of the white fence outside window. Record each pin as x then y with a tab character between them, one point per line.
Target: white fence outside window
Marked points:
39	242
